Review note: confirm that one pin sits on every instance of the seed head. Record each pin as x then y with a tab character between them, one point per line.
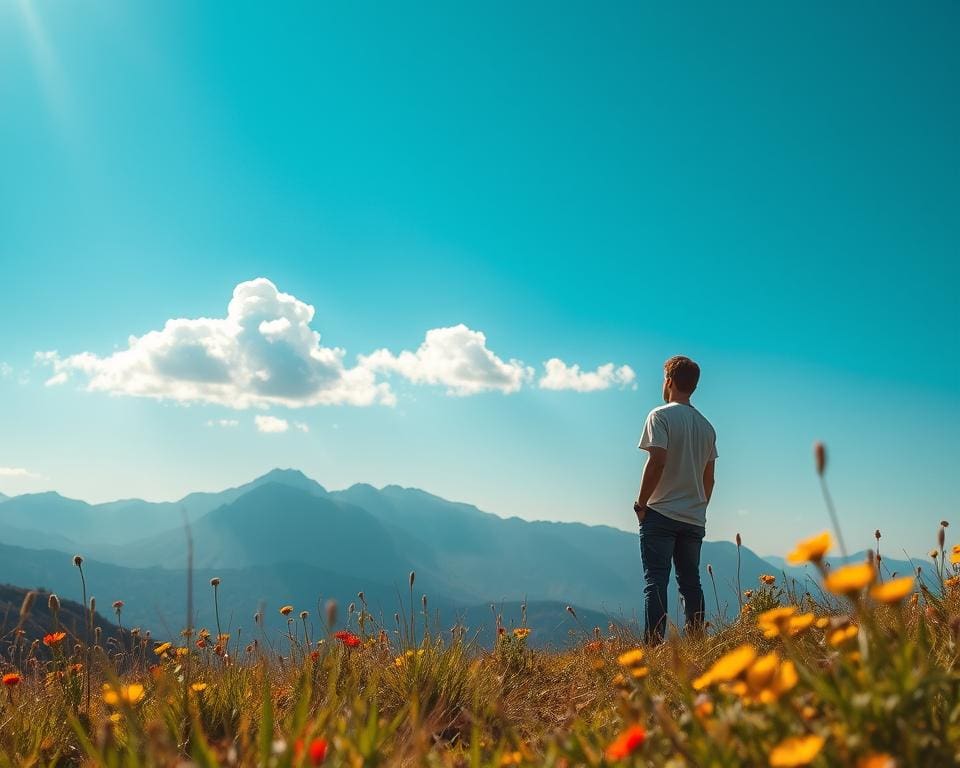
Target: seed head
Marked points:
944	523
215	582
739	540
93	605
820	457
710	569
413	577
53	603
27	604
570	610
351	608
396	618
876	534
361	597
941	536
423	600
331	612
118	605
77	560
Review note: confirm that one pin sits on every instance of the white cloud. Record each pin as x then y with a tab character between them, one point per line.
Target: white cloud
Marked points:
271	424
262	353
223	423
301	426
16	472
559	375
455	357
6	370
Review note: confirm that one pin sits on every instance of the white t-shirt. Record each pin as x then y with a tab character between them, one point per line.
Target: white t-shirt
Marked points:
690	442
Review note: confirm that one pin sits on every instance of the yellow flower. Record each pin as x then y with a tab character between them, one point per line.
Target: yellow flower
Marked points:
811	550
782	622
839	636
198	687
877	760
122	695
955	558
796	751
776	615
181	652
521	632
823	622
703	706
727	667
767	579
512	758
769	677
162	649
630	658
893	591
849	578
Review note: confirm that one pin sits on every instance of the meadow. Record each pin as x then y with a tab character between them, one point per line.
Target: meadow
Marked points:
858	669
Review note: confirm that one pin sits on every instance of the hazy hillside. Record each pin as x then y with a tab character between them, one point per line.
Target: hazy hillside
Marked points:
40	621
283	538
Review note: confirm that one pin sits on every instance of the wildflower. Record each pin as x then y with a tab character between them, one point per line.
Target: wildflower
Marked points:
934	553
11	679
628	742
768	678
727	667
512	758
77	560
849	578
53	603
877	760
198	687
630	658
181	652
823	622
286	610
118	605
768	580
952	581
703	706
215	582
122	695
54	639
893	591
162	649
771	621
521	632
839	636
594	646
316	751
347	638
955	557
796	751
811	550
748	593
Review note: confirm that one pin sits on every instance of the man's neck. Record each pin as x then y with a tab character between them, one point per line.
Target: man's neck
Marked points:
676	397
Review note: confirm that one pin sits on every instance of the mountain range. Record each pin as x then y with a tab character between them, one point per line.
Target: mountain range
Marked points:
285	539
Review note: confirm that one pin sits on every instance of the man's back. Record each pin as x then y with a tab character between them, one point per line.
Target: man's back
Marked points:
690	443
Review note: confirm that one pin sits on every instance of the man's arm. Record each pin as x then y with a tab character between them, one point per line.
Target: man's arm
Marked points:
652	472
708	479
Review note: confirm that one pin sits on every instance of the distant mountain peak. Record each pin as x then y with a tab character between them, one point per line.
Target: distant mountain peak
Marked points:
291	477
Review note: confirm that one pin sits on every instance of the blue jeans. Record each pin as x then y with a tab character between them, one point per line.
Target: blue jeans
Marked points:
663	539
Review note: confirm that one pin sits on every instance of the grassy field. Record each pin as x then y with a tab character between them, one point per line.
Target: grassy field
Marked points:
863	673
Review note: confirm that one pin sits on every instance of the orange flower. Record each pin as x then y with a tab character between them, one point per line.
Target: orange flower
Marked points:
286	610
796	751
727	667
850	579
628	742
877	760
317	751
521	632
347	638
11	679
767	579
893	591
54	639
811	550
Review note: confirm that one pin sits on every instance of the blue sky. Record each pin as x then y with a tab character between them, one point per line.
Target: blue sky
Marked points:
771	190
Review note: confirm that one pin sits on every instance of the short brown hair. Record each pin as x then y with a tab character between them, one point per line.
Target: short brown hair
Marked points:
684	373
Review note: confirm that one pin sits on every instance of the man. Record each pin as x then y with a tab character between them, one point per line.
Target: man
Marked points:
674	493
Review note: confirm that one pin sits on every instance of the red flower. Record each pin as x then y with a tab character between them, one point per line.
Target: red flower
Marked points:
54	638
626	743
314	655
347	638
11	679
317	751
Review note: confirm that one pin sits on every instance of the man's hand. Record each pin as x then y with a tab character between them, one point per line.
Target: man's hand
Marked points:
640	509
